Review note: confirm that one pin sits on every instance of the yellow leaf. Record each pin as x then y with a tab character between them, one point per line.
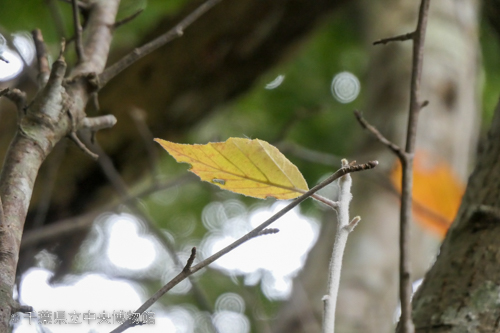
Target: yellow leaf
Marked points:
250	167
437	191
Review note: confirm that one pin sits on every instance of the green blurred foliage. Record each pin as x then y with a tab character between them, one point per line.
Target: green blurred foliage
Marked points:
28	15
490	76
301	109
31	14
132	33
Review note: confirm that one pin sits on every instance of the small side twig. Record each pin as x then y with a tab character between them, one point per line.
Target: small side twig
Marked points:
41	56
74	137
354	222
17	97
127	19
21	308
139	118
400	38
54	85
146	49
252	234
95	124
78	31
391	145
269	231
190	261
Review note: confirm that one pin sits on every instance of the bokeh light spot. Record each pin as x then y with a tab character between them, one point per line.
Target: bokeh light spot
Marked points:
126	248
345	87
23	41
230	302
273	259
276	82
231	322
12	68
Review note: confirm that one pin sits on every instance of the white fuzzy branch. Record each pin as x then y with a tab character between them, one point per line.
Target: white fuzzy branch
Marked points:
344	227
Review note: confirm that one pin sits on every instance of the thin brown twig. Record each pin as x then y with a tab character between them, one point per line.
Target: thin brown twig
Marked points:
326	201
110	171
392	146
127	19
138	116
405	286
252	234
78	31
74	137
17	97
400	38
146	49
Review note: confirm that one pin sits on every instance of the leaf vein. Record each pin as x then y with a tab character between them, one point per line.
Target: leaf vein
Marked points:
251	161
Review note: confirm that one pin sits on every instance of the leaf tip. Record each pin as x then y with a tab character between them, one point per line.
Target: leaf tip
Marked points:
160	141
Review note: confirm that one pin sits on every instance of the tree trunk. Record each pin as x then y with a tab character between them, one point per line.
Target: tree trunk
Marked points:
447	130
460	292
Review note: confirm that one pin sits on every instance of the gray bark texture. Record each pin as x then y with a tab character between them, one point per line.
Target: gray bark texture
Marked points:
55	112
460	292
447	130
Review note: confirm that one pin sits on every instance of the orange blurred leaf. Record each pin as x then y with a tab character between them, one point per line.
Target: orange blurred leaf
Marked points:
250	167
437	191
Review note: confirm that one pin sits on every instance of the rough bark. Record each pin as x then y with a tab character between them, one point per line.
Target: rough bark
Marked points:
460	292
56	111
447	129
